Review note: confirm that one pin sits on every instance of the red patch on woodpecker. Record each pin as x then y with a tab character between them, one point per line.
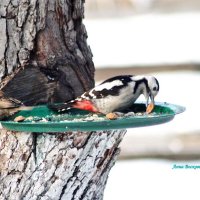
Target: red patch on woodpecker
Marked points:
85	105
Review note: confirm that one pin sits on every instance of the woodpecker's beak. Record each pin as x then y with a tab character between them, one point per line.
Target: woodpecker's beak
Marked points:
150	107
152	99
147	99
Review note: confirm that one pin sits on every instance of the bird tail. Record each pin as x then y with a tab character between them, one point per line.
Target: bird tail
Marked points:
61	107
80	104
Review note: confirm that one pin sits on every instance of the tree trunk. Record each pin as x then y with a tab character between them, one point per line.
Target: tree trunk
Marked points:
44	54
44	57
73	165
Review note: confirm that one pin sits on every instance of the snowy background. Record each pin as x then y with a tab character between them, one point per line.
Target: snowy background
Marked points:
162	39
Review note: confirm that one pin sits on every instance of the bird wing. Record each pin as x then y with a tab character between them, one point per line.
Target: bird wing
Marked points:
87	101
110	86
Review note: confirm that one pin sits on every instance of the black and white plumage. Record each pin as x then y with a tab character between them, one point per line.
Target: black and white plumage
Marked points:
114	94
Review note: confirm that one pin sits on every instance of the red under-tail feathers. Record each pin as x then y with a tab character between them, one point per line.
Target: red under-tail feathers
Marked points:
85	105
79	104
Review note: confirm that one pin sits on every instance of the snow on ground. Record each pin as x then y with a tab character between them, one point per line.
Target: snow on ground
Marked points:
153	179
145	39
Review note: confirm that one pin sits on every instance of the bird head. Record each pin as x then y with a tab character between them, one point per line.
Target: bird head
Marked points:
151	90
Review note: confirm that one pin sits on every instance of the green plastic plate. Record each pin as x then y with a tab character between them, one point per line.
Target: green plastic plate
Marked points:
41	119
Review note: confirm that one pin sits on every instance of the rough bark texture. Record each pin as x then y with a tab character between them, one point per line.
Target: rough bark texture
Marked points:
66	166
44	57
44	43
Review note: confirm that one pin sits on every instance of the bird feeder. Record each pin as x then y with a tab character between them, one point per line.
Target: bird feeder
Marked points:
42	119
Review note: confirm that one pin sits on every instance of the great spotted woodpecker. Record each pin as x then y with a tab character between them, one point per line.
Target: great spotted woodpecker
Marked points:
114	94
9	106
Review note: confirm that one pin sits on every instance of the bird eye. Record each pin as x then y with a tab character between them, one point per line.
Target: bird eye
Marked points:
154	88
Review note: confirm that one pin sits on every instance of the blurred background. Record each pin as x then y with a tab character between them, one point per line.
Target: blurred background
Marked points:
162	38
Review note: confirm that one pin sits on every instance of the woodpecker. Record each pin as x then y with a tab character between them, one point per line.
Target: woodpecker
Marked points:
114	94
9	106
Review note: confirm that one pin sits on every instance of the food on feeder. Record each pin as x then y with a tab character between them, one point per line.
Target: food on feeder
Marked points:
41	119
150	108
111	116
30	118
19	119
129	114
75	116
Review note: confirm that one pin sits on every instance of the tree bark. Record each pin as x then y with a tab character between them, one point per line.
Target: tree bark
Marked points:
44	54
73	165
44	57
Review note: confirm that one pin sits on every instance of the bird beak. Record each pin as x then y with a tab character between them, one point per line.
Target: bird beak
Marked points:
152	99
149	107
147	99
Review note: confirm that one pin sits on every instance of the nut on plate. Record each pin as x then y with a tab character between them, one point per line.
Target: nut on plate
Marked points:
19	119
111	116
150	108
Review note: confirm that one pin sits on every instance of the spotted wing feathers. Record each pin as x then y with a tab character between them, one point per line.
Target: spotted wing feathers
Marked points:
111	87
61	107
